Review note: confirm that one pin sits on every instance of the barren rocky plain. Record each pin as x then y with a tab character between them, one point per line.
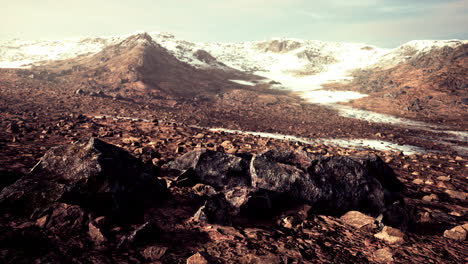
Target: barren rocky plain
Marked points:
132	156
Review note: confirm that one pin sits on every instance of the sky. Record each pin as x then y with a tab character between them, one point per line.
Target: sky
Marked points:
385	23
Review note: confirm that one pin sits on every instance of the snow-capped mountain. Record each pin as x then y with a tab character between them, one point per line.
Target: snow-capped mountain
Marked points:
414	49
302	66
294	56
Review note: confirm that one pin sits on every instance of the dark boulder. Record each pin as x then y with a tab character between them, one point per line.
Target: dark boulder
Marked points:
217	169
332	185
277	179
216	210
281	171
345	184
95	175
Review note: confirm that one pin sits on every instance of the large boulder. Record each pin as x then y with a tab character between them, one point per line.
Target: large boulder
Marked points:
333	185
278	178
95	175
217	169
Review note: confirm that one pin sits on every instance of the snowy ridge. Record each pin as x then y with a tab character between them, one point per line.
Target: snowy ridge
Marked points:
294	57
301	66
413	49
19	53
298	65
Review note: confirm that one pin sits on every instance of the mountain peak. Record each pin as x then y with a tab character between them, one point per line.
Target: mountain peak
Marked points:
138	39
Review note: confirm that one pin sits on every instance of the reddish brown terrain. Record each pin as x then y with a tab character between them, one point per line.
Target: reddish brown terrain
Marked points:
142	199
431	87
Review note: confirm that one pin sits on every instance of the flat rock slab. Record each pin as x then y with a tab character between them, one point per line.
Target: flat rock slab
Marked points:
357	219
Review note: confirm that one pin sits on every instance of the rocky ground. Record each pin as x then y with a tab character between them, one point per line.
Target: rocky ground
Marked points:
169	230
129	172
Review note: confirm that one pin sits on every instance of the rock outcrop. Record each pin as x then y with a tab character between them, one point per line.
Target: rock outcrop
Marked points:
92	174
279	178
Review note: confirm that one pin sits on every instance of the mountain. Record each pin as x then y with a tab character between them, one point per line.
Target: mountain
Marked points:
158	64
138	65
149	149
421	79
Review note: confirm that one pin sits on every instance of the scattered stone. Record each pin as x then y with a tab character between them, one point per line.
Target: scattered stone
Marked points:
154	253
204	190
197	258
455	213
216	210
429	182
131	140
41	222
418	181
415	106
430	198
444	178
294	217
457	195
288	222
457	233
425	217
383	255
199	135
67	219
95	234
138	151
357	219
391	235
79	92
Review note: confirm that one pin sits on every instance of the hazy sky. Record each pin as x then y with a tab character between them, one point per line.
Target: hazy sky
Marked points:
386	23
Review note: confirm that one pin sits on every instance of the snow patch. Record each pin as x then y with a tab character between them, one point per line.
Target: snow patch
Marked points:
344	143
16	64
243	82
350	112
413	49
330	97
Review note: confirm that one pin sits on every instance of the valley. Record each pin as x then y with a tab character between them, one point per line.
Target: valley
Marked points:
198	116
